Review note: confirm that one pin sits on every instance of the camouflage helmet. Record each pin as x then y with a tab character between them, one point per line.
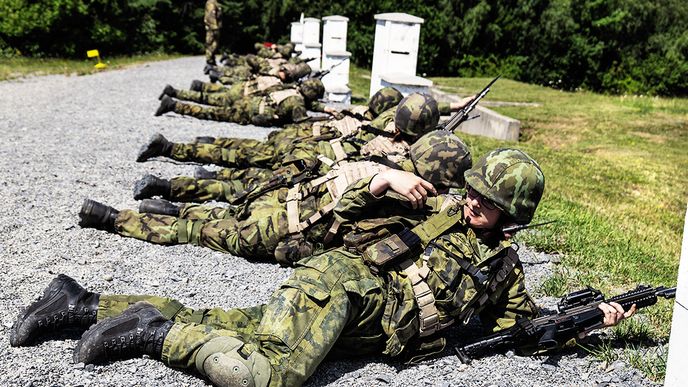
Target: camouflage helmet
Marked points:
441	158
416	115
295	71
385	98
511	180
312	89
285	49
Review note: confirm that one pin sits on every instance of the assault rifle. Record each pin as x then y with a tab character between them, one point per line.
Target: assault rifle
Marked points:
462	115
320	74
578	313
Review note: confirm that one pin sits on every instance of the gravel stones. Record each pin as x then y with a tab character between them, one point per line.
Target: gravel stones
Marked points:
67	138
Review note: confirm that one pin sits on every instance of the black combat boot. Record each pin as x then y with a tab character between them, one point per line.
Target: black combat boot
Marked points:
208	68
202	173
64	305
196	85
158	206
150	186
97	215
205	140
168	90
158	145
139	330
214	75
167	104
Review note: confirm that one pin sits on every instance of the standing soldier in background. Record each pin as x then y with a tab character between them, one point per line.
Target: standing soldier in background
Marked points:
213	24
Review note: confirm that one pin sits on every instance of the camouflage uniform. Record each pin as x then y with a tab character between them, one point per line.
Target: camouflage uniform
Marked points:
296	138
213	24
256	110
258	158
287	223
334	304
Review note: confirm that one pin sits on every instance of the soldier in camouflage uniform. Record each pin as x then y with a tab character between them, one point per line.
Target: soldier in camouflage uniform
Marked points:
217	95
213	24
274	51
285	224
244	153
389	135
400	281
251	66
282	105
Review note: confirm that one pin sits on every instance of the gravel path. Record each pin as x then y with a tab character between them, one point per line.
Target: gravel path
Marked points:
69	138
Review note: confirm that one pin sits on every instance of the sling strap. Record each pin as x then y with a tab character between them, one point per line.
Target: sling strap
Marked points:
428	314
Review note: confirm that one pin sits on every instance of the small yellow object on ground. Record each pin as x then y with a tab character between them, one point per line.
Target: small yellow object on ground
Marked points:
96	54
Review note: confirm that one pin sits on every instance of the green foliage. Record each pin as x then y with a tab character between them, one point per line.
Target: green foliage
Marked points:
68	28
617	46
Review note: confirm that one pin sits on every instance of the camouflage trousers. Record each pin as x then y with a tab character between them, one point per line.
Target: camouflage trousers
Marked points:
208	87
331	304
243	152
254	237
188	189
235	152
242	112
219	98
213	113
212	40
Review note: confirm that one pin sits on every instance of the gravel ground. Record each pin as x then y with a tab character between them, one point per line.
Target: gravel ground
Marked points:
69	138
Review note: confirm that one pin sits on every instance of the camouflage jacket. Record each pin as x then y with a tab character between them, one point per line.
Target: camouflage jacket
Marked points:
367	219
213	15
309	151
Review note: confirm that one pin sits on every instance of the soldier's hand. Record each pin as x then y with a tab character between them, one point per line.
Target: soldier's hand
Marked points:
334	112
412	187
454	106
614	313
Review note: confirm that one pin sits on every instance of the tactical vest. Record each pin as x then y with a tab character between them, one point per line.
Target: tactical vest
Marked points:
390	253
346	126
336	182
380	145
281	95
383	146
276	63
260	84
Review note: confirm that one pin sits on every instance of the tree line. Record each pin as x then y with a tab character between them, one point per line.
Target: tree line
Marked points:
614	46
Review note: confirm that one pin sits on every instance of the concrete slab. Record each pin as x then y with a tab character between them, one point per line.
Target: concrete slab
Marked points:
677	363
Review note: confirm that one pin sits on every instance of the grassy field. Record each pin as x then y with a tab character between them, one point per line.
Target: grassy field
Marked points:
21	67
616	172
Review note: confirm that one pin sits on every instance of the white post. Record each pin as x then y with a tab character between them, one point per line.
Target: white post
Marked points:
311	42
395	55
677	363
296	36
334	53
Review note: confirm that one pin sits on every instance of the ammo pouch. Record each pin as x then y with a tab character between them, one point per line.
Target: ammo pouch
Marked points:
294	248
370	231
389	249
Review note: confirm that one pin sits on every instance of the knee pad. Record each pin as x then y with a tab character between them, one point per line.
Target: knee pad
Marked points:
221	362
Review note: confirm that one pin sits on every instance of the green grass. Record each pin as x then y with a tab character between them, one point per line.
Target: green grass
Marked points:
20	67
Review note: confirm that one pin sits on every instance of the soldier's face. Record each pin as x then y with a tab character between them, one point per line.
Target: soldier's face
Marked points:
479	212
